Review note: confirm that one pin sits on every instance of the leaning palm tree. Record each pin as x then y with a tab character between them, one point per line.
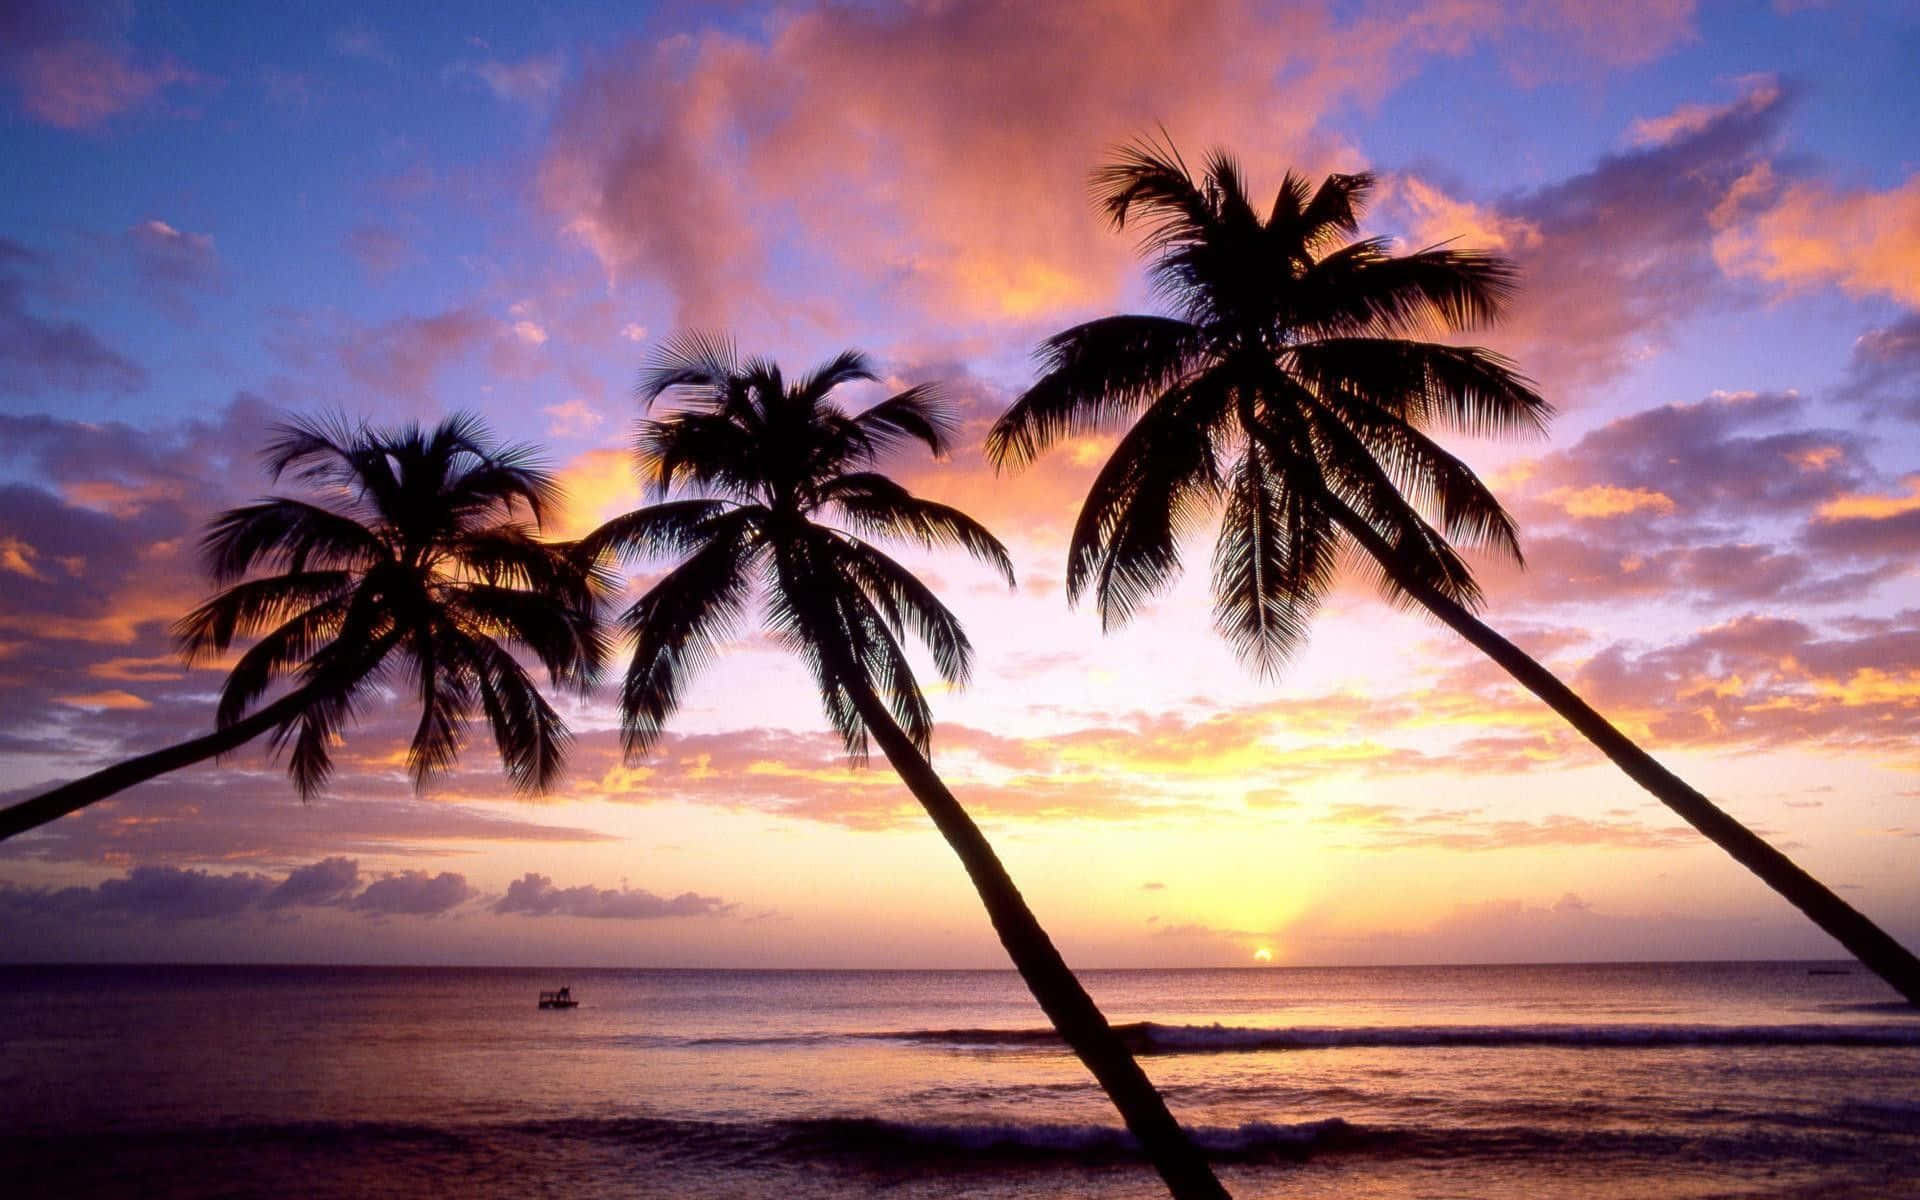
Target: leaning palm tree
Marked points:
1292	389
778	492
415	564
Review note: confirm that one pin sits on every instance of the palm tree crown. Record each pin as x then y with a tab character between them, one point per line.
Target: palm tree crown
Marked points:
1293	386
1290	387
783	487
415	564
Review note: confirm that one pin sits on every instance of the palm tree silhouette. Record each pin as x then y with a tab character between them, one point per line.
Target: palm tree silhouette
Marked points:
762	465
1293	391
415	565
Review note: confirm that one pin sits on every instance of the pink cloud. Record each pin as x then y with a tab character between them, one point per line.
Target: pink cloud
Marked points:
73	78
936	154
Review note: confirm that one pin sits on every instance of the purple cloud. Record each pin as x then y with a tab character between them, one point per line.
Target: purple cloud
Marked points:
38	354
145	893
329	881
535	896
413	893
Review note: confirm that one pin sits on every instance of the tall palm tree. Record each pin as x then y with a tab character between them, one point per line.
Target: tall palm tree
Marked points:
415	564
1291	388
779	492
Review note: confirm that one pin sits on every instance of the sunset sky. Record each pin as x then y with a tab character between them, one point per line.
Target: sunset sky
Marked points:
216	216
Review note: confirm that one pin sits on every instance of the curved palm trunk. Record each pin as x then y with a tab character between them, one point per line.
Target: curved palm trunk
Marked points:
1053	984
71	797
1869	943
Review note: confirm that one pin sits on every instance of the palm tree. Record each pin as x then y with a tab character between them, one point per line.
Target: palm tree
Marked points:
1291	388
415	565
762	466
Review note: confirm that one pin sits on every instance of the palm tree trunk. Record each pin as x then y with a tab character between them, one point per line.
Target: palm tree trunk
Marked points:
71	797
1053	984
1869	943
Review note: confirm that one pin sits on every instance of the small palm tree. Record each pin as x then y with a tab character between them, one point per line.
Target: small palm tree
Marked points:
415	564
763	465
1291	388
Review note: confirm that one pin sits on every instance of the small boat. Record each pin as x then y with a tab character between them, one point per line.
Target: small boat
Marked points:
1828	971
560	999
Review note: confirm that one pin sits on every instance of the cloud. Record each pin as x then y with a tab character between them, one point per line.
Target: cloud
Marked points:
413	893
329	881
1757	93
244	810
1883	372
935	155
171	264
1612	258
40	355
153	893
575	418
379	252
1737	500
72	81
1807	233
361	43
535	896
1390	826
401	358
529	81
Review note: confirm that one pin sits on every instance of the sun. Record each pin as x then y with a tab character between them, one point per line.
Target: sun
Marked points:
1263	955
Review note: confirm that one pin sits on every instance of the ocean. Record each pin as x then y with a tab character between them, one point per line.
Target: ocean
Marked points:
1748	1080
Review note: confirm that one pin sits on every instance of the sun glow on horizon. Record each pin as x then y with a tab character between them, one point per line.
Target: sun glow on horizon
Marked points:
1264	955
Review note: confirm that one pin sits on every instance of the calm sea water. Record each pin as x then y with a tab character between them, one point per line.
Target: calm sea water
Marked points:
1697	1080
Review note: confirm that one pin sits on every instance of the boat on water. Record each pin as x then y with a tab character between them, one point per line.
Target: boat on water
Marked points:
560	999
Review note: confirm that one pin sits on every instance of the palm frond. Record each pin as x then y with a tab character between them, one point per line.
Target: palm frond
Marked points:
530	736
704	449
1363	289
1427	384
1334	211
1094	376
1275	557
674	527
1162	477
908	605
677	625
250	607
876	505
694	362
1148	180
919	414
285	534
848	366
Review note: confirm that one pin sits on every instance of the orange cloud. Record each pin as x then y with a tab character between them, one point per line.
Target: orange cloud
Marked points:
1872	507
598	485
1437	217
1807	233
114	699
1604	500
1757	92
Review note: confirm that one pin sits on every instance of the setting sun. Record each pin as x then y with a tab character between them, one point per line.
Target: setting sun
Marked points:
1263	955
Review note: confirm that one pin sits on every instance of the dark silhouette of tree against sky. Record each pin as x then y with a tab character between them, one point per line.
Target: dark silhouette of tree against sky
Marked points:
778	493
1292	389
415	565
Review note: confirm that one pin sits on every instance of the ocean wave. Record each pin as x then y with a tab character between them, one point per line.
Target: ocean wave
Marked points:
1152	1038
864	1143
1257	1140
